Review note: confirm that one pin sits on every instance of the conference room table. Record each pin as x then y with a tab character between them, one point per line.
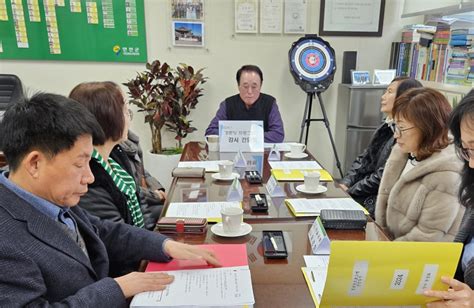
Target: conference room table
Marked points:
275	282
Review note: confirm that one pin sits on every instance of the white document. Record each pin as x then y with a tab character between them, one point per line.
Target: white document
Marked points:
316	261
314	206
271	16
246	13
209	165
284	146
207	210
317	277
225	286
295	16
295	165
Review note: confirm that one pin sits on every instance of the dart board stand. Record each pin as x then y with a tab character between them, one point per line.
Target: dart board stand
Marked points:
313	65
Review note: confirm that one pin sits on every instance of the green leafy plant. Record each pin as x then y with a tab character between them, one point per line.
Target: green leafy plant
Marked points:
166	95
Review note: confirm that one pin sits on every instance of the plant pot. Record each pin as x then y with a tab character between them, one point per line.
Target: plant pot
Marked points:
160	166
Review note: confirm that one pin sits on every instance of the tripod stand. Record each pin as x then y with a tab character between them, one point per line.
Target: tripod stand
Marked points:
307	120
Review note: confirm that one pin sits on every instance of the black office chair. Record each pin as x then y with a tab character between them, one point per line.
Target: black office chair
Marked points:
11	90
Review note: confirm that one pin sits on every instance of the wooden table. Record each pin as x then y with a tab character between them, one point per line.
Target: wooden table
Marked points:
276	283
217	190
280	283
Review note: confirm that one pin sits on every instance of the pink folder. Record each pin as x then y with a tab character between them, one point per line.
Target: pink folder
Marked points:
228	254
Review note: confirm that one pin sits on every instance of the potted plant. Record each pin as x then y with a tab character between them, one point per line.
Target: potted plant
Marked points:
166	96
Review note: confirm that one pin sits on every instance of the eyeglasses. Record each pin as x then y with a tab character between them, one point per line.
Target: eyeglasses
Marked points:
464	153
397	130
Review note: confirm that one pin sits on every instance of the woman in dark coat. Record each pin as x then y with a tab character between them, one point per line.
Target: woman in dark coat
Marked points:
461	292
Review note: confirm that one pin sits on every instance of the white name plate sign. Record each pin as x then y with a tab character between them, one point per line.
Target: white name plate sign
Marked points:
245	136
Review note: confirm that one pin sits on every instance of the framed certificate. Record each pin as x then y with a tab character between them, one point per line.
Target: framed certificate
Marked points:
351	18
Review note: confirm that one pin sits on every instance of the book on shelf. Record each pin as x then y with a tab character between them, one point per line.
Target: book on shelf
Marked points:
439	54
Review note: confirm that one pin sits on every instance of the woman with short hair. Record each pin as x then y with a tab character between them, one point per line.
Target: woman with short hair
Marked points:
417	198
114	193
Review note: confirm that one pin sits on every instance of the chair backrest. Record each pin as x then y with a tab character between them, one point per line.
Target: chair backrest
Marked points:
11	90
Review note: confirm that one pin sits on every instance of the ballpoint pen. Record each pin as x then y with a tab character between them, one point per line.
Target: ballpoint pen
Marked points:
273	243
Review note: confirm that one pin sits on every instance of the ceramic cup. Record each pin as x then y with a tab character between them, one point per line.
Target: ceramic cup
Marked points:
225	168
311	180
212	143
297	148
232	219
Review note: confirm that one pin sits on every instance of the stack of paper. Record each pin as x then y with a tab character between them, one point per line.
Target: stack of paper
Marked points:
379	274
312	207
209	210
295	170
195	284
209	165
298	174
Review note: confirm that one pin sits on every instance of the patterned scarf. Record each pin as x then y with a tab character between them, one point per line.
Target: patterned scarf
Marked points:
125	184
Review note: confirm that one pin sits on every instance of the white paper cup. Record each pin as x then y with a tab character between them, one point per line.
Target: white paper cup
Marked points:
212	142
232	219
225	168
297	148
311	180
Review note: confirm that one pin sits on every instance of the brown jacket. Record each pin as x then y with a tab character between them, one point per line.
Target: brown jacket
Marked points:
422	204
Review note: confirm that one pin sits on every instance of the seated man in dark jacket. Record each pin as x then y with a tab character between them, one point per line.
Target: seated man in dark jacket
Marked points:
53	253
249	105
363	178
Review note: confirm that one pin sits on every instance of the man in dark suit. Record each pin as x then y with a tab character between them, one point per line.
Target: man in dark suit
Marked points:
52	252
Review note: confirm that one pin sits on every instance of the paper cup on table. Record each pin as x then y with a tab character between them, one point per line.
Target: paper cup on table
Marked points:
297	148
225	168
311	180
232	219
212	142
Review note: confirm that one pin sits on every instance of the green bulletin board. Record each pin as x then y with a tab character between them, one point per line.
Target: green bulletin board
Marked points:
84	30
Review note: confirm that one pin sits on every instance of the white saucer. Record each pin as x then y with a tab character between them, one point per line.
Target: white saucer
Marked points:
217	176
218	229
300	155
320	189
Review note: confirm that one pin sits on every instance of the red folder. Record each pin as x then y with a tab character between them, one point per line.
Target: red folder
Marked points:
229	255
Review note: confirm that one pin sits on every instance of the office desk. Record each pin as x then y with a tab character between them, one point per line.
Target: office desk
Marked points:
280	283
217	190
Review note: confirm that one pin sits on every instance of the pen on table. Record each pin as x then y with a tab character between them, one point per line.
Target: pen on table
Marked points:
312	276
273	243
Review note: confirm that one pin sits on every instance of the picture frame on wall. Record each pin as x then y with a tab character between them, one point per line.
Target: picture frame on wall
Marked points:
360	78
351	18
188	33
187	10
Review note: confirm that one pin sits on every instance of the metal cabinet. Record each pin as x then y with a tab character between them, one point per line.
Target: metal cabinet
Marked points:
358	115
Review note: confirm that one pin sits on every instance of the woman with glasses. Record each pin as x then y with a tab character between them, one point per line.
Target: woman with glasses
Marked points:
114	194
462	128
363	178
417	198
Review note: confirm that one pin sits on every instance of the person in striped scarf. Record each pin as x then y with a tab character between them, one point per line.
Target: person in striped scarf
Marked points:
114	194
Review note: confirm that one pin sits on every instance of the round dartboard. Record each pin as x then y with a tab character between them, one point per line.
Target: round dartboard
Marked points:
312	62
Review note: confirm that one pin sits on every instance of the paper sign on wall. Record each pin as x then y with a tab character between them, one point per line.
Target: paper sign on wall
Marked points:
245	136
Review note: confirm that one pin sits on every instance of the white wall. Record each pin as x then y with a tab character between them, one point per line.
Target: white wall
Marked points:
225	52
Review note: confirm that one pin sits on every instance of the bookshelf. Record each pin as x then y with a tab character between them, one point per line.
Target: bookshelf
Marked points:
447	88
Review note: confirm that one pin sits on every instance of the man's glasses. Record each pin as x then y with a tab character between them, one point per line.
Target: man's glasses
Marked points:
466	154
397	130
